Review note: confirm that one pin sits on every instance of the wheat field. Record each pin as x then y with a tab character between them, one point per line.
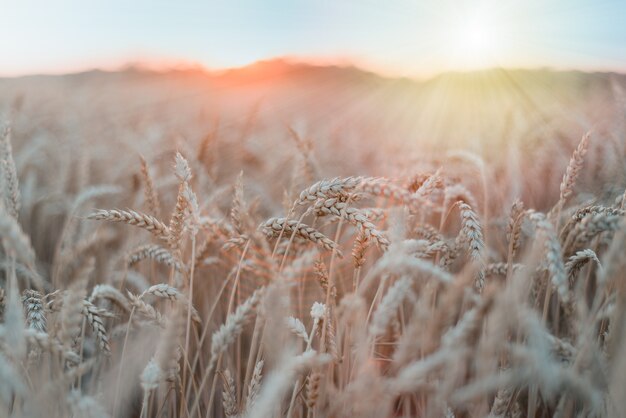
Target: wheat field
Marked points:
172	249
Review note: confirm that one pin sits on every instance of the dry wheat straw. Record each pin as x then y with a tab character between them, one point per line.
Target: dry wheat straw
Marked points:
458	192
396	261
150	193
51	345
15	241
312	388
274	226
552	253
238	206
472	235
94	318
571	173
501	269
233	327
384	187
296	327
354	216
150	378
326	189
35	312
389	305
255	386
177	220
12	191
166	291
331	340
321	273
105	291
168	352
502	403
149	381
279	381
433	182
359	249
589	227
156	253
375	214
72	315
130	217
146	310
585	212
576	262
514	226
229	395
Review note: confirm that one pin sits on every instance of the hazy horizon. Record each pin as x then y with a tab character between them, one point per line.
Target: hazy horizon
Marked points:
165	67
400	38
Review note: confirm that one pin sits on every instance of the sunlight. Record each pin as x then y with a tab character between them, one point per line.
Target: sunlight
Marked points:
472	41
478	38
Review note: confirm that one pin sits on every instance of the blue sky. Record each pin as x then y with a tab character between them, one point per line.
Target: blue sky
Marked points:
395	36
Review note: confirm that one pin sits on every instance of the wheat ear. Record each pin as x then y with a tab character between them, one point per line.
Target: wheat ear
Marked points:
571	174
229	395
233	327
35	312
154	252
150	193
12	190
131	217
273	227
94	318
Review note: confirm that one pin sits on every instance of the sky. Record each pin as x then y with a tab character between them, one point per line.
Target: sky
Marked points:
396	37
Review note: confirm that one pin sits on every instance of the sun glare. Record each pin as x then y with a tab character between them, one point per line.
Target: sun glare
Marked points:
477	38
472	41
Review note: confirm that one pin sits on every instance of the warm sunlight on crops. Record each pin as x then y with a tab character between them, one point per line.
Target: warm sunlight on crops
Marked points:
313	209
288	240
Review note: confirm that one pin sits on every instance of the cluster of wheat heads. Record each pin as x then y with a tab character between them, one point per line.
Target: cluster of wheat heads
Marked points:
366	297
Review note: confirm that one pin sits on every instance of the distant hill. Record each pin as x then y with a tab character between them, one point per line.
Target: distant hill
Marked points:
447	107
277	73
283	70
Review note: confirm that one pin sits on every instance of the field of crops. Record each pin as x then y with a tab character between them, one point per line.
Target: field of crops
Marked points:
297	241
